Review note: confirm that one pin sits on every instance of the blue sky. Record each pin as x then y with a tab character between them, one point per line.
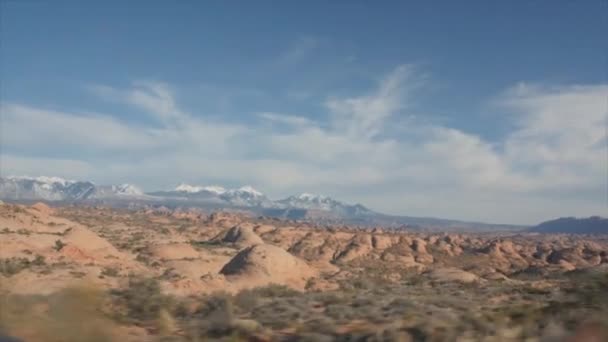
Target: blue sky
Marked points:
468	110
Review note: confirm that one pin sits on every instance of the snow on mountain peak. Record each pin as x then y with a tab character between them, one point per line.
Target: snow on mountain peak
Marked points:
311	197
43	188
194	189
250	189
215	189
246	196
188	188
43	179
127	189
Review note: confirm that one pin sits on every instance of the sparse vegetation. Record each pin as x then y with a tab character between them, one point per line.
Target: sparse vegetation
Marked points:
382	294
39	260
142	299
12	266
110	272
73	315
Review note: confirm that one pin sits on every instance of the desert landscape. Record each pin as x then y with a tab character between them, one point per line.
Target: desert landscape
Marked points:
93	273
303	171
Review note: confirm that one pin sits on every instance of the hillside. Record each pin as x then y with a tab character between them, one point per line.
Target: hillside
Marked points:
572	225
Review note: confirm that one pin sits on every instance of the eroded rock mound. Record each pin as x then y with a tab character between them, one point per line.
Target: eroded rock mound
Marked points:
241	235
360	245
43	208
265	263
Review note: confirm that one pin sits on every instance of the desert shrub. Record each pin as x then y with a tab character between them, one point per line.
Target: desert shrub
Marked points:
399	307
310	284
341	312
217	306
215	316
143	258
364	281
362	302
110	272
59	245
12	266
143	299
328	298
171	274
24	232
277	314
587	292
275	291
322	324
246	300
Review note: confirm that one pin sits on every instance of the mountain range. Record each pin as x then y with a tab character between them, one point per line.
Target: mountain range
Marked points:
573	225
318	208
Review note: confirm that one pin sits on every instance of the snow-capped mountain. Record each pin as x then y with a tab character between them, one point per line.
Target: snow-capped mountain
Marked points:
59	189
44	188
316	208
246	196
324	203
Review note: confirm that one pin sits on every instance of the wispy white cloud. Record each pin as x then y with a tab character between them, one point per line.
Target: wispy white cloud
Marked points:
154	98
299	50
366	116
25	126
557	131
290	120
427	169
